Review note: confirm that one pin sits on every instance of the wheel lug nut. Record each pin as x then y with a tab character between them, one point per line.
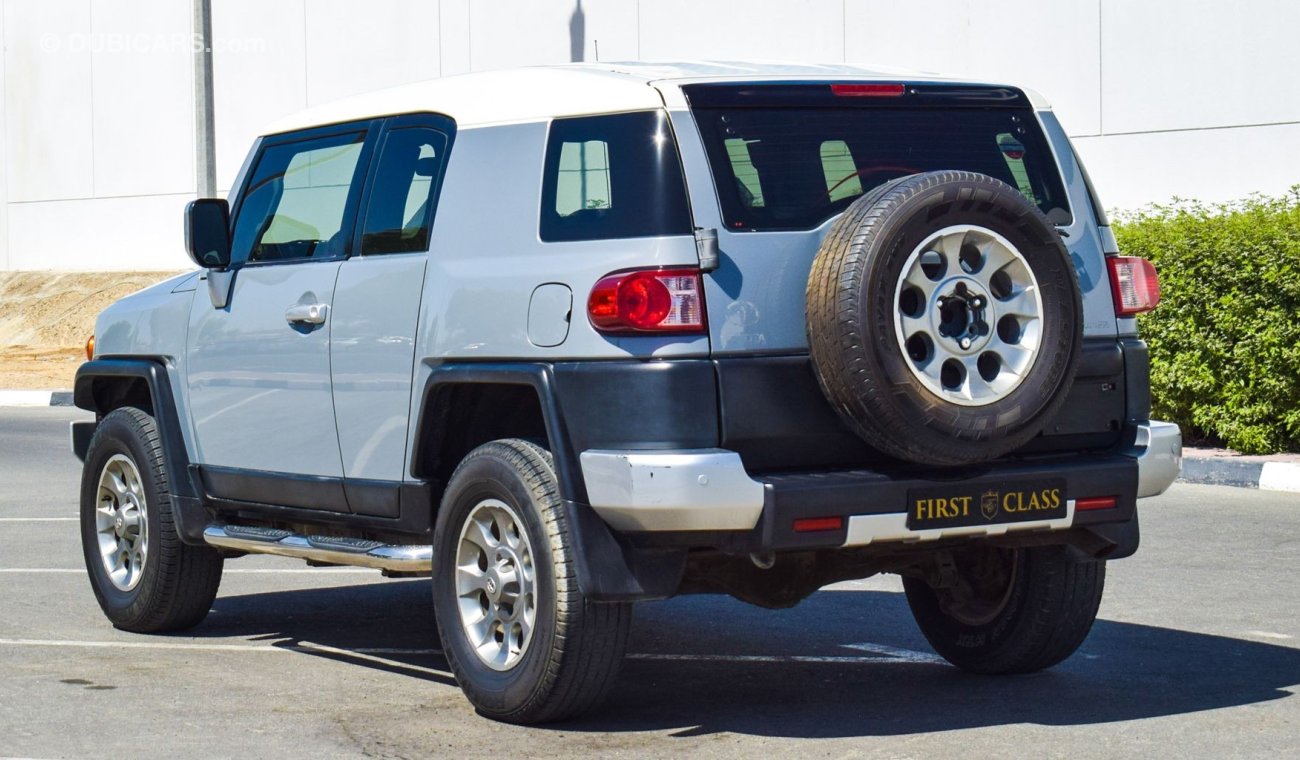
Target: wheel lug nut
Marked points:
965	342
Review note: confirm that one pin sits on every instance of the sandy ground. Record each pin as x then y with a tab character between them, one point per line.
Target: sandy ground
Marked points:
45	318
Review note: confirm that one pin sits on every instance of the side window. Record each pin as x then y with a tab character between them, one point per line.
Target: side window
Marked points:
842	180
296	202
610	177
400	211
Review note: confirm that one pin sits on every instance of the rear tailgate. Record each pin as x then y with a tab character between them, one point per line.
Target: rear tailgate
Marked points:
771	165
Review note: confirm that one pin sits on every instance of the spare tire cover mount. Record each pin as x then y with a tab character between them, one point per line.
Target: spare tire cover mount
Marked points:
968	315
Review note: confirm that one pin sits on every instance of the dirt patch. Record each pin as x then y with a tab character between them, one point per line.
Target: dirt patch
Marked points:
45	318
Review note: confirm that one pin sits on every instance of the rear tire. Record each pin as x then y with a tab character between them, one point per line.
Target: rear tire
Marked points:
145	578
1011	610
526	645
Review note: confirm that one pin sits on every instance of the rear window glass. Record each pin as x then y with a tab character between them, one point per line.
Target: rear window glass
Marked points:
609	177
792	168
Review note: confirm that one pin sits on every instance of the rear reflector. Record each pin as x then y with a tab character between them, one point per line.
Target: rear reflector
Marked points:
648	300
867	90
817	524
1095	502
1133	284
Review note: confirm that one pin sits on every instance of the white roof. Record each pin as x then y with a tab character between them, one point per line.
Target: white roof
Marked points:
544	92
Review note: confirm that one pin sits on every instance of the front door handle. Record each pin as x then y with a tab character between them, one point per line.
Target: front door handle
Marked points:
307	314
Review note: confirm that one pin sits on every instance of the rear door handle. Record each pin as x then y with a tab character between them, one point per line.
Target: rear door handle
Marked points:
307	314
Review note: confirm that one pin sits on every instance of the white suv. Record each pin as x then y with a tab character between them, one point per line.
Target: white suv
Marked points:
568	338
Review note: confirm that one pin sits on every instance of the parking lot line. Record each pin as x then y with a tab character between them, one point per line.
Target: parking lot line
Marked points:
38	519
911	657
896	653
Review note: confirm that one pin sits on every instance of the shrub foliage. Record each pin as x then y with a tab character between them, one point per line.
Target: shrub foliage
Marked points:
1225	340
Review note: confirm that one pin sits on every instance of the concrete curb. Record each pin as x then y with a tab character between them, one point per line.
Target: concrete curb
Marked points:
35	398
1242	473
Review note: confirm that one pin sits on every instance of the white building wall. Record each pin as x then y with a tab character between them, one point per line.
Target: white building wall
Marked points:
1189	98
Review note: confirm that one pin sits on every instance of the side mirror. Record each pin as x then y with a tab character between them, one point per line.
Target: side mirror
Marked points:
207	232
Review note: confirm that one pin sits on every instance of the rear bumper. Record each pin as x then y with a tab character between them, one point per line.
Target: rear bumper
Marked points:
1159	453
705	495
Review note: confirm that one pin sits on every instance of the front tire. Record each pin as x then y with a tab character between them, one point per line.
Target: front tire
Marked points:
145	578
1009	610
526	645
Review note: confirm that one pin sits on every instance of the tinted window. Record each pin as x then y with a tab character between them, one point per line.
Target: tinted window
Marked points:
400	210
609	177
795	167
296	201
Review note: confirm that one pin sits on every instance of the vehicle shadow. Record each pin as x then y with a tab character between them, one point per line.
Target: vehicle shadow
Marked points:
790	674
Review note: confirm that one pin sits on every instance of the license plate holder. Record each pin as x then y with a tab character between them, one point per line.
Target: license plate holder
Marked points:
959	505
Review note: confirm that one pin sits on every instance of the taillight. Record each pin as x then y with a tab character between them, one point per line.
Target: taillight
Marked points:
867	90
648	300
1133	284
1094	502
817	524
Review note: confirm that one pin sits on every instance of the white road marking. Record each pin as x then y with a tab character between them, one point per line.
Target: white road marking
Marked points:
1269	635
374	653
895	653
39	519
302	646
787	658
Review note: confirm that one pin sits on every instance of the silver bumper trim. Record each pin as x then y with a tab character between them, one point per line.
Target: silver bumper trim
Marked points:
692	489
1159	454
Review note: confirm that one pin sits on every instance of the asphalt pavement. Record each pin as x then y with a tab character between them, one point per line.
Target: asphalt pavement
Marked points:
1196	654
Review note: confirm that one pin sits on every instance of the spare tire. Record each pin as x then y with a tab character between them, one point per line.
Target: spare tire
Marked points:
944	318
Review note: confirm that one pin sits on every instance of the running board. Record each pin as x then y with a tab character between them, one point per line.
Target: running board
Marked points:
331	550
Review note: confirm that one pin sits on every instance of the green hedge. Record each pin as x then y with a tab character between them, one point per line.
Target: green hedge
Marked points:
1225	340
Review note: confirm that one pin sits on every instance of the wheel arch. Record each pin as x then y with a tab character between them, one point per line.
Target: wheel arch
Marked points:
105	384
523	401
607	567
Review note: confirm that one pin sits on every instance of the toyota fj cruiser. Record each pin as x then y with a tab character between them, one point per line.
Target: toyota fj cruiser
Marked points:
566	338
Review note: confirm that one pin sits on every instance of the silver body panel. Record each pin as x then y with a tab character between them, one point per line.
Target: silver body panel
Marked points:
372	358
259	387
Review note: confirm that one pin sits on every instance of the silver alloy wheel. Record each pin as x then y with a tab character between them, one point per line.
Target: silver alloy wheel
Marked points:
121	522
968	315
496	584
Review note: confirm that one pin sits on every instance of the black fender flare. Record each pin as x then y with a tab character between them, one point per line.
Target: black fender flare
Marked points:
90	392
608	567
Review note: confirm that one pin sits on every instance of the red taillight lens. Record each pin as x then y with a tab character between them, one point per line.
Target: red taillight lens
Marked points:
1133	284
867	90
651	300
817	524
1095	502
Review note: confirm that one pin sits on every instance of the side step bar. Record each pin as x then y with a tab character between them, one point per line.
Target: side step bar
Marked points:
331	550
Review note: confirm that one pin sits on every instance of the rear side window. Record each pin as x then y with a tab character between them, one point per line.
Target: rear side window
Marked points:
297	200
611	177
793	167
400	210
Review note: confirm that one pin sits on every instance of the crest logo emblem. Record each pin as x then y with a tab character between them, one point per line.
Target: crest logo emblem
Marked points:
989	505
